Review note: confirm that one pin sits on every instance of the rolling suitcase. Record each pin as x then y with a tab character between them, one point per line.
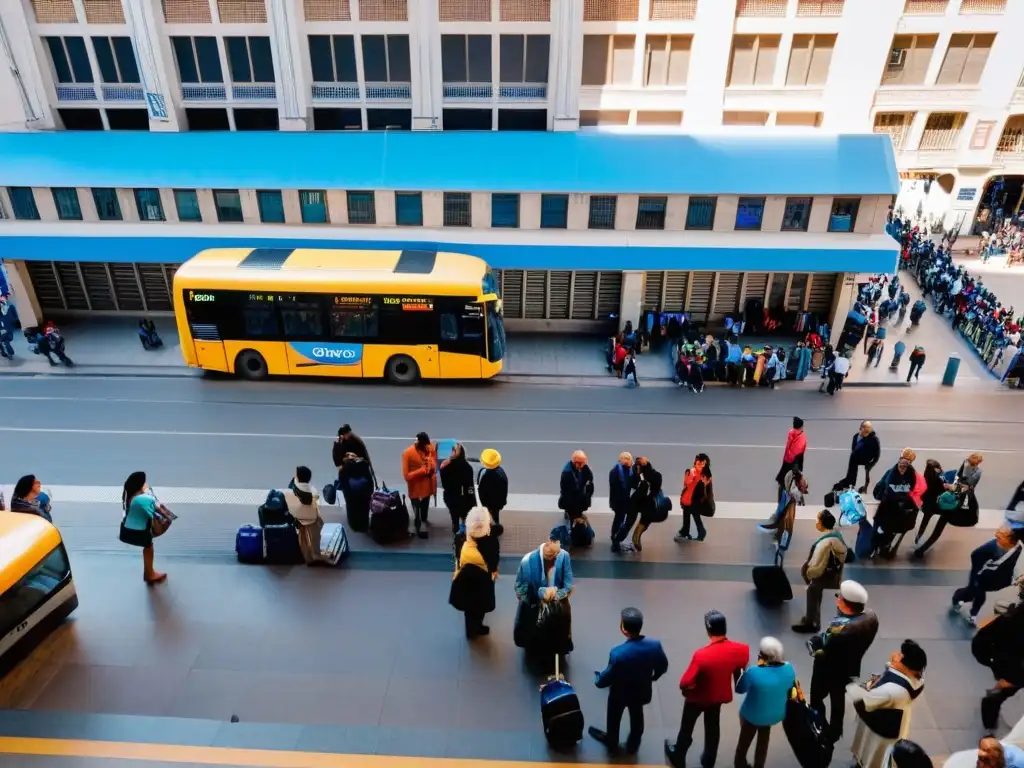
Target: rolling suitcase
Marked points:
560	711
389	516
333	543
249	546
771	584
281	545
806	732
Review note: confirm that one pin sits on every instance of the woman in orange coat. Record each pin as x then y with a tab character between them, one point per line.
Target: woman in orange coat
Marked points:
419	468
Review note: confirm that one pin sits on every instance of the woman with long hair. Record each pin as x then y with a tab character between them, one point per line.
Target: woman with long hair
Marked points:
695	498
144	519
457	486
29	498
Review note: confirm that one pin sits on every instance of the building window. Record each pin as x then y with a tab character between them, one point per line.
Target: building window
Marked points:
799	119
844	214
908	59
186	201
107	206
797	215
386	59
749	212
942	130
753	59
810	59
409	209
608	59
700	213
23	203
667	59
361	208
229	206
333	58
456	209
68	207
524	58
148	203
965	59
730	117
896	124
650	213
505	211
313	206
250	60
271	205
116	59
554	211
70	59
198	59
602	211
466	58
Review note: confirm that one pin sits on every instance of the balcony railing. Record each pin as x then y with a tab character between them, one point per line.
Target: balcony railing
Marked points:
123	92
1011	143
249	92
942	139
204	92
820	8
897	132
918	7
523	91
335	92
468	91
388	91
762	8
76	93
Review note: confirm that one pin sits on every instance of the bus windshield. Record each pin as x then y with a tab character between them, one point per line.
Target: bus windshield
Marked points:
495	333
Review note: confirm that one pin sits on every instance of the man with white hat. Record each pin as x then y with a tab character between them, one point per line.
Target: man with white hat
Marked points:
838	652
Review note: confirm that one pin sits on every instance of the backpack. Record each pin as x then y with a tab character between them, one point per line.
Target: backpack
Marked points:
274	511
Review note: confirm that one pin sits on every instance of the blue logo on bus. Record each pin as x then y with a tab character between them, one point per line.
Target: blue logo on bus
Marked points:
328	353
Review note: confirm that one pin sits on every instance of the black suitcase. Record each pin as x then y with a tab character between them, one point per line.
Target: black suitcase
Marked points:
389	516
806	734
357	510
560	712
771	584
281	543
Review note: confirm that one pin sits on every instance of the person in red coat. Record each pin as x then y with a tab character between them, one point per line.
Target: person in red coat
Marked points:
793	455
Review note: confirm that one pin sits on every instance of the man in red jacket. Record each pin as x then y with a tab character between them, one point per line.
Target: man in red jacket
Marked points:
707	684
793	455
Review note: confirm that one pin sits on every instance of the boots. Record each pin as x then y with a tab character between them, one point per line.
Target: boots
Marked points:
638	531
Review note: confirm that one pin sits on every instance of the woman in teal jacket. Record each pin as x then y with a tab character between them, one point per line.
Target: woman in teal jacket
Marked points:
767	688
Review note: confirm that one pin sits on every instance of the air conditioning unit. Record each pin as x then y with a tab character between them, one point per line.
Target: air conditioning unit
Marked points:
897	58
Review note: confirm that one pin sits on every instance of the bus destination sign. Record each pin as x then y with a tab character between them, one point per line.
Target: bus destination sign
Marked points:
409	303
353	301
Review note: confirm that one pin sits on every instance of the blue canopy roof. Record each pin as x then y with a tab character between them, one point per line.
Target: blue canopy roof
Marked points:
486	161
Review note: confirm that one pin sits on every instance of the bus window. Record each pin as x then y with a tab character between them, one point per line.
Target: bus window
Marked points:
462	326
302	317
354	323
32	590
490	284
495	333
260	320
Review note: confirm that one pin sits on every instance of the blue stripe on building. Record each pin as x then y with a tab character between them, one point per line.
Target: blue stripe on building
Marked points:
172	250
485	161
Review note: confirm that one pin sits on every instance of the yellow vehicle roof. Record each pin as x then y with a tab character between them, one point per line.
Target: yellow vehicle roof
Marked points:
25	540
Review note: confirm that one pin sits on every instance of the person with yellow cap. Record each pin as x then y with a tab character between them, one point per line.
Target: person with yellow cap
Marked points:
492	486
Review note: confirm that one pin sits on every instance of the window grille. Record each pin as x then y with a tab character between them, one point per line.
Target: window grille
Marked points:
727	295
554	211
409	209
187	12
242	11
584	295
982	6
456	209
762	8
701	213
942	130
602	211
328	10
55	11
896	124
820	8
313	207
103	11
673	10
524	10
609	294
464	10
797	215
383	10
914	7
361	209
611	10
650	213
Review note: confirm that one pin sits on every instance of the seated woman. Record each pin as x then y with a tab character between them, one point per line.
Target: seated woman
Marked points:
472	590
544	583
304	507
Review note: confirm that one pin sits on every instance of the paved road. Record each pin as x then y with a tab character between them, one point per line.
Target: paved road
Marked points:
225	434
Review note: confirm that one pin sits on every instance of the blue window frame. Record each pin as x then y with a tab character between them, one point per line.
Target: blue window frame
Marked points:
749	212
271	205
361	208
149	205
186	201
844	214
198	59
70	59
409	209
700	213
505	211
107	206
797	215
313	204
23	203
250	59
229	206
116	59
602	211
68	206
650	212
554	211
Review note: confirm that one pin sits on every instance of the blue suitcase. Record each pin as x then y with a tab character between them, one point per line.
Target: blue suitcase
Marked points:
560	712
249	544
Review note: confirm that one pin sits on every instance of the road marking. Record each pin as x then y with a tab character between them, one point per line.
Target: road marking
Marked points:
517	502
485	442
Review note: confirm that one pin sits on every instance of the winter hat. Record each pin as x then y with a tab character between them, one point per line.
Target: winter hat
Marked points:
490	458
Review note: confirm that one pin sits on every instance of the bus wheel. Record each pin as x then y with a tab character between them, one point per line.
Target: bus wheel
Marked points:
402	369
250	365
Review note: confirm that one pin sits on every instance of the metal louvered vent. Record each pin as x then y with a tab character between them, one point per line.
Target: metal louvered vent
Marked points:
797	289
675	291
71	285
97	287
44	281
757	284
536	282
584	296
205	332
822	288
155	287
653	282
126	287
609	294
512	293
700	295
558	294
727	294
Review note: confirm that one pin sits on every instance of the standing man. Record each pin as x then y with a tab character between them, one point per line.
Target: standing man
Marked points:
840	370
632	669
707	684
865	450
793	455
823	569
492	486
838	652
419	468
349	442
619	487
997	646
576	486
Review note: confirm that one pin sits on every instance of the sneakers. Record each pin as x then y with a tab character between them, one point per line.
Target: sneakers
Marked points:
956	608
971	621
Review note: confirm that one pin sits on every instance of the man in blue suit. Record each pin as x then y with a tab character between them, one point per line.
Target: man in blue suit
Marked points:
632	669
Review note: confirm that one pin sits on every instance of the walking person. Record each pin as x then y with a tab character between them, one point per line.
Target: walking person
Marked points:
766	689
644	503
898	349
793	454
492	485
865	450
620	483
575	487
696	495
633	667
472	590
838	652
963	488
707	684
144	519
996	645
630	368
884	703
457	488
419	468
917	358
822	570
838	373
992	567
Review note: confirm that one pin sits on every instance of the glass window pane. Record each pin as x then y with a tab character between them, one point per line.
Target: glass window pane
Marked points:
749	212
657	60
409	209
345	59
208	55
767	54
271	205
66	200
538	52
187	203
107	206
821	59
799	60
398	59
595	59
844	214
741	68
701	213
453	58
361	208
622	59
679	59
320	58
105	59
479	54
797	215
125	54
602	211
23	203
554	211
375	65
650	213
505	210
302	318
262	60
61	66
229	206
148	203
183	54
238	60
314	206
79	59
510	58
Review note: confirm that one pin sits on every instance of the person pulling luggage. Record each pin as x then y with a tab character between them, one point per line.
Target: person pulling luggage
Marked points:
822	570
419	468
492	486
544	583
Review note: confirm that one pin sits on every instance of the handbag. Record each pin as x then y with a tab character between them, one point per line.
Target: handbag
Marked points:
947	501
707	505
662	506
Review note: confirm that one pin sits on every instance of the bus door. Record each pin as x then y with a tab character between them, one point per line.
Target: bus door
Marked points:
461	341
204	311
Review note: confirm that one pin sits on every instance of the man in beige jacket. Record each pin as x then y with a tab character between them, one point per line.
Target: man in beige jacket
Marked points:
823	570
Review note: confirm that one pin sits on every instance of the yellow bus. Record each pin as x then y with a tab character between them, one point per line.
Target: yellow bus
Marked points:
36	589
401	315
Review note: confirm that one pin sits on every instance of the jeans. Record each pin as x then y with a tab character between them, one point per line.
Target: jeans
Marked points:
690	512
915	369
747	733
973	593
625	526
991	703
712	732
616	707
420	508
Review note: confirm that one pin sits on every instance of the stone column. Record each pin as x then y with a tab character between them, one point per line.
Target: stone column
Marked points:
631	301
566	64
425	54
152	51
23	293
842	302
25	104
293	94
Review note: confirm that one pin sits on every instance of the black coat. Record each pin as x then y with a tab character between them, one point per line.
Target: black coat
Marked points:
350	443
575	489
869	451
648	484
997	646
457	487
472	590
492	485
620	481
